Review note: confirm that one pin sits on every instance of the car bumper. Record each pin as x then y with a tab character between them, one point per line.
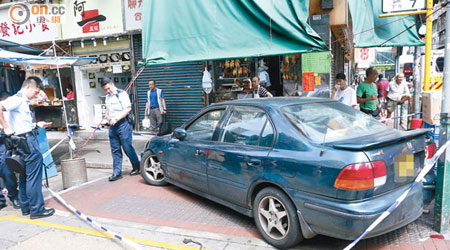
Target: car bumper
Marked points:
349	219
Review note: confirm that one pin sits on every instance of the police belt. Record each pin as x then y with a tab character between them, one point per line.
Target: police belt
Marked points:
33	132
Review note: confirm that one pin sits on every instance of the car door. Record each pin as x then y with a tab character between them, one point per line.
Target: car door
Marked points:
185	159
240	154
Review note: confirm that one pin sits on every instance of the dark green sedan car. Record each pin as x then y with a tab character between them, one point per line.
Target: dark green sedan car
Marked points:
298	166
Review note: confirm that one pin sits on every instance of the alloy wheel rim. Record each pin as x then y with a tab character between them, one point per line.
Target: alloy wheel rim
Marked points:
153	169
273	217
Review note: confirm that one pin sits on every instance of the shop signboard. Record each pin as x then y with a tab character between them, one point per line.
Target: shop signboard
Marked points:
403	5
133	14
364	57
32	31
91	19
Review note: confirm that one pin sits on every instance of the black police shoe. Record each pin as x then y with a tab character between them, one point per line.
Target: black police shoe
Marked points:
115	177
135	172
46	213
16	203
25	213
2	206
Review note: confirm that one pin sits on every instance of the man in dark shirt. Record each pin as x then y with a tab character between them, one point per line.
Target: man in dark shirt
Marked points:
260	91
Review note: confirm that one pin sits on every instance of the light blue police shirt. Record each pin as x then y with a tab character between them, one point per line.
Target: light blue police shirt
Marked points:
116	103
19	117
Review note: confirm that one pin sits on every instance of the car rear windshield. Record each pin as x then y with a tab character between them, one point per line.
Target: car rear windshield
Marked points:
331	121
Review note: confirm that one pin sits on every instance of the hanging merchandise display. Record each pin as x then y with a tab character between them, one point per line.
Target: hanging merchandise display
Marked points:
290	72
226	72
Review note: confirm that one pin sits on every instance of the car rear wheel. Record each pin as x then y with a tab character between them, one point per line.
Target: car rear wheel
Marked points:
151	170
276	218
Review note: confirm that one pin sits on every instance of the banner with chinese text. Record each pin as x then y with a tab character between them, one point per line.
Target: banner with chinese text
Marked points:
133	14
33	31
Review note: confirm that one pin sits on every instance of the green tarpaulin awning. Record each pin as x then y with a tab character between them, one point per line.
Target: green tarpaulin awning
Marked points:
194	30
372	31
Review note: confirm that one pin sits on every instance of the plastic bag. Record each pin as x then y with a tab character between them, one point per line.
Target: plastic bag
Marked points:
146	123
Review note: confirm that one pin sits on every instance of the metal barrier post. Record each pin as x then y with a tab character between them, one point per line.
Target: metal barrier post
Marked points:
442	203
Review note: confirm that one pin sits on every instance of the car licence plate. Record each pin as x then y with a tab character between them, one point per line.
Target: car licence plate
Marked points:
404	168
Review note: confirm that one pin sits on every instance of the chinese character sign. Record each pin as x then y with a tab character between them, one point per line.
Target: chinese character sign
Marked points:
133	15
92	18
34	30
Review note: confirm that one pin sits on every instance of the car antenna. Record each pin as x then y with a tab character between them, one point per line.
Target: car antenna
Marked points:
323	143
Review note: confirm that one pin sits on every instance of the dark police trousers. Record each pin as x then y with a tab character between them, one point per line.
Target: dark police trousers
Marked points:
120	136
30	186
8	176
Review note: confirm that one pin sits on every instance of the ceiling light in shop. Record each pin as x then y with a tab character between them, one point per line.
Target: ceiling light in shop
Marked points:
94	42
82	44
104	41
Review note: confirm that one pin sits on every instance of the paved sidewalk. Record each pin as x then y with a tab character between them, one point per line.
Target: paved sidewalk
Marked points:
170	209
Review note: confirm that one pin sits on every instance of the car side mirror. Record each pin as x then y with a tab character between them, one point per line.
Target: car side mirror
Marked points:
179	133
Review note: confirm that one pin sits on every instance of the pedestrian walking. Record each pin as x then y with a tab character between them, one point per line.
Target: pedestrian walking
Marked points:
397	93
382	84
155	107
118	108
343	93
19	122
367	94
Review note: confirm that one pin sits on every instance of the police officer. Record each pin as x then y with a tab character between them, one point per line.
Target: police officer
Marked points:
19	122
118	106
7	177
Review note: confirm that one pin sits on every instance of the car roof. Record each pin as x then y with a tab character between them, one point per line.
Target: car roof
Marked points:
275	101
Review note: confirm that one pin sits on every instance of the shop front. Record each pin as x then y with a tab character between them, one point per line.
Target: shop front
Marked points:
306	74
48	106
113	62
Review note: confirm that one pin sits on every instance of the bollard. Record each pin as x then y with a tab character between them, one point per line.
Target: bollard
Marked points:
73	172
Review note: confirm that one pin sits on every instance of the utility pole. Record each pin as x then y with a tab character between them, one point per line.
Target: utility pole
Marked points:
417	81
429	23
442	202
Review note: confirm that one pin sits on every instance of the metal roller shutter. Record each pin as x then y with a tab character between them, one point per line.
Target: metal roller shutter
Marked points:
181	83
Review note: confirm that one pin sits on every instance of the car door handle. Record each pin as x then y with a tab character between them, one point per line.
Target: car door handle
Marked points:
254	162
199	152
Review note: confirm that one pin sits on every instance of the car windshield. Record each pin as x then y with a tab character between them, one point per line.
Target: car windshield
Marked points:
331	121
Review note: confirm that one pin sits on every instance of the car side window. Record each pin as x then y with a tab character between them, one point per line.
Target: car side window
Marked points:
203	128
244	126
267	136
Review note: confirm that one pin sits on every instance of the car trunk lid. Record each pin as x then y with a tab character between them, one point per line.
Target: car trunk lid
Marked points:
403	153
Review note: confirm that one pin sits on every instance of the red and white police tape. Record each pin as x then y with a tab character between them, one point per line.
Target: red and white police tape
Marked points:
429	164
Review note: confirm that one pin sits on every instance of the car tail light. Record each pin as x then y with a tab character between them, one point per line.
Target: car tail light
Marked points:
361	176
430	150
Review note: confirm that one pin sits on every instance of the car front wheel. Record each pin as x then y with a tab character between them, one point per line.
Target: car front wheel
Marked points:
151	170
276	218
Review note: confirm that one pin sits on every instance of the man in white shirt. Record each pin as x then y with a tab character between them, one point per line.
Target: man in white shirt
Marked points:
397	93
342	93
